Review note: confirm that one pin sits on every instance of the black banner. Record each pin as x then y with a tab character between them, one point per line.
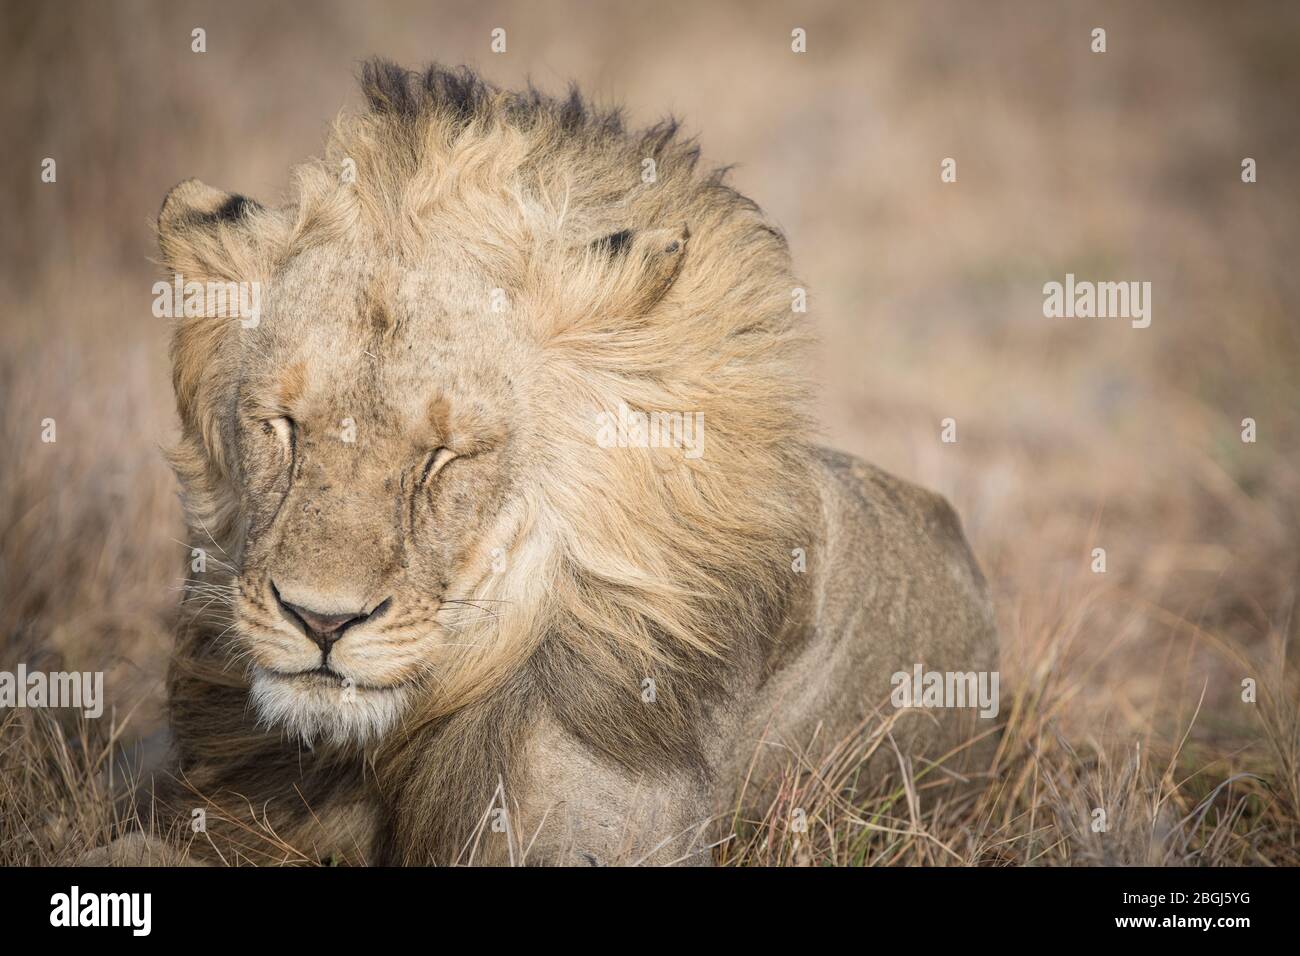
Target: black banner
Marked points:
921	905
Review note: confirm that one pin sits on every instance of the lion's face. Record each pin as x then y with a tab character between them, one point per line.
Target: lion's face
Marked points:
376	461
458	435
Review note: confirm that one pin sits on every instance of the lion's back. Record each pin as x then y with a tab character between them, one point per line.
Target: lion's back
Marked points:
892	584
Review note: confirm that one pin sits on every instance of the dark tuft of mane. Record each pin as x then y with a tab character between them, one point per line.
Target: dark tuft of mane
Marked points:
404	94
461	95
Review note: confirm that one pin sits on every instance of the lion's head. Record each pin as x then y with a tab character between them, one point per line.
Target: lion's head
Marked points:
515	375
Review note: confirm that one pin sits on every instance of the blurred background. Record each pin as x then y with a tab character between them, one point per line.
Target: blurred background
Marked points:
1073	434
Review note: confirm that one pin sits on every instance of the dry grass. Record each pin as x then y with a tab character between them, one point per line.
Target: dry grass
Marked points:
1165	803
1123	689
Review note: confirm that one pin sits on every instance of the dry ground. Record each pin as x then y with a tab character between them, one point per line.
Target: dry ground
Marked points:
1123	689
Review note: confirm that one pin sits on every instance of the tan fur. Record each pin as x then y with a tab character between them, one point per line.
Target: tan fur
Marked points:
535	581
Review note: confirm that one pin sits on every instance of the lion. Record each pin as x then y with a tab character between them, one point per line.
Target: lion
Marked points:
516	543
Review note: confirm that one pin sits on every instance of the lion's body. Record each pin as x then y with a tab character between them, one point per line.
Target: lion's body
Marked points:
609	641
891	582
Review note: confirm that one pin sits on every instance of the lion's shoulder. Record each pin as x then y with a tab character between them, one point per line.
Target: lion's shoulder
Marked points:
882	521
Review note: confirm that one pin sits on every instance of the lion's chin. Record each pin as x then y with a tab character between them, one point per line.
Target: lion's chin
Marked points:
317	711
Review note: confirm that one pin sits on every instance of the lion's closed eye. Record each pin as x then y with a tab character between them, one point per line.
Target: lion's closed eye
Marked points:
436	461
283	427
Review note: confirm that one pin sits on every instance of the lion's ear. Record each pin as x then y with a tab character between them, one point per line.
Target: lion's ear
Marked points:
648	261
208	236
204	233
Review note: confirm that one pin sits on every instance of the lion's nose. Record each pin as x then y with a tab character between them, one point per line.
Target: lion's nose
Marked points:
324	628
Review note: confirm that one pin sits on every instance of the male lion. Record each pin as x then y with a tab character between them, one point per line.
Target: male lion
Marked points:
518	545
